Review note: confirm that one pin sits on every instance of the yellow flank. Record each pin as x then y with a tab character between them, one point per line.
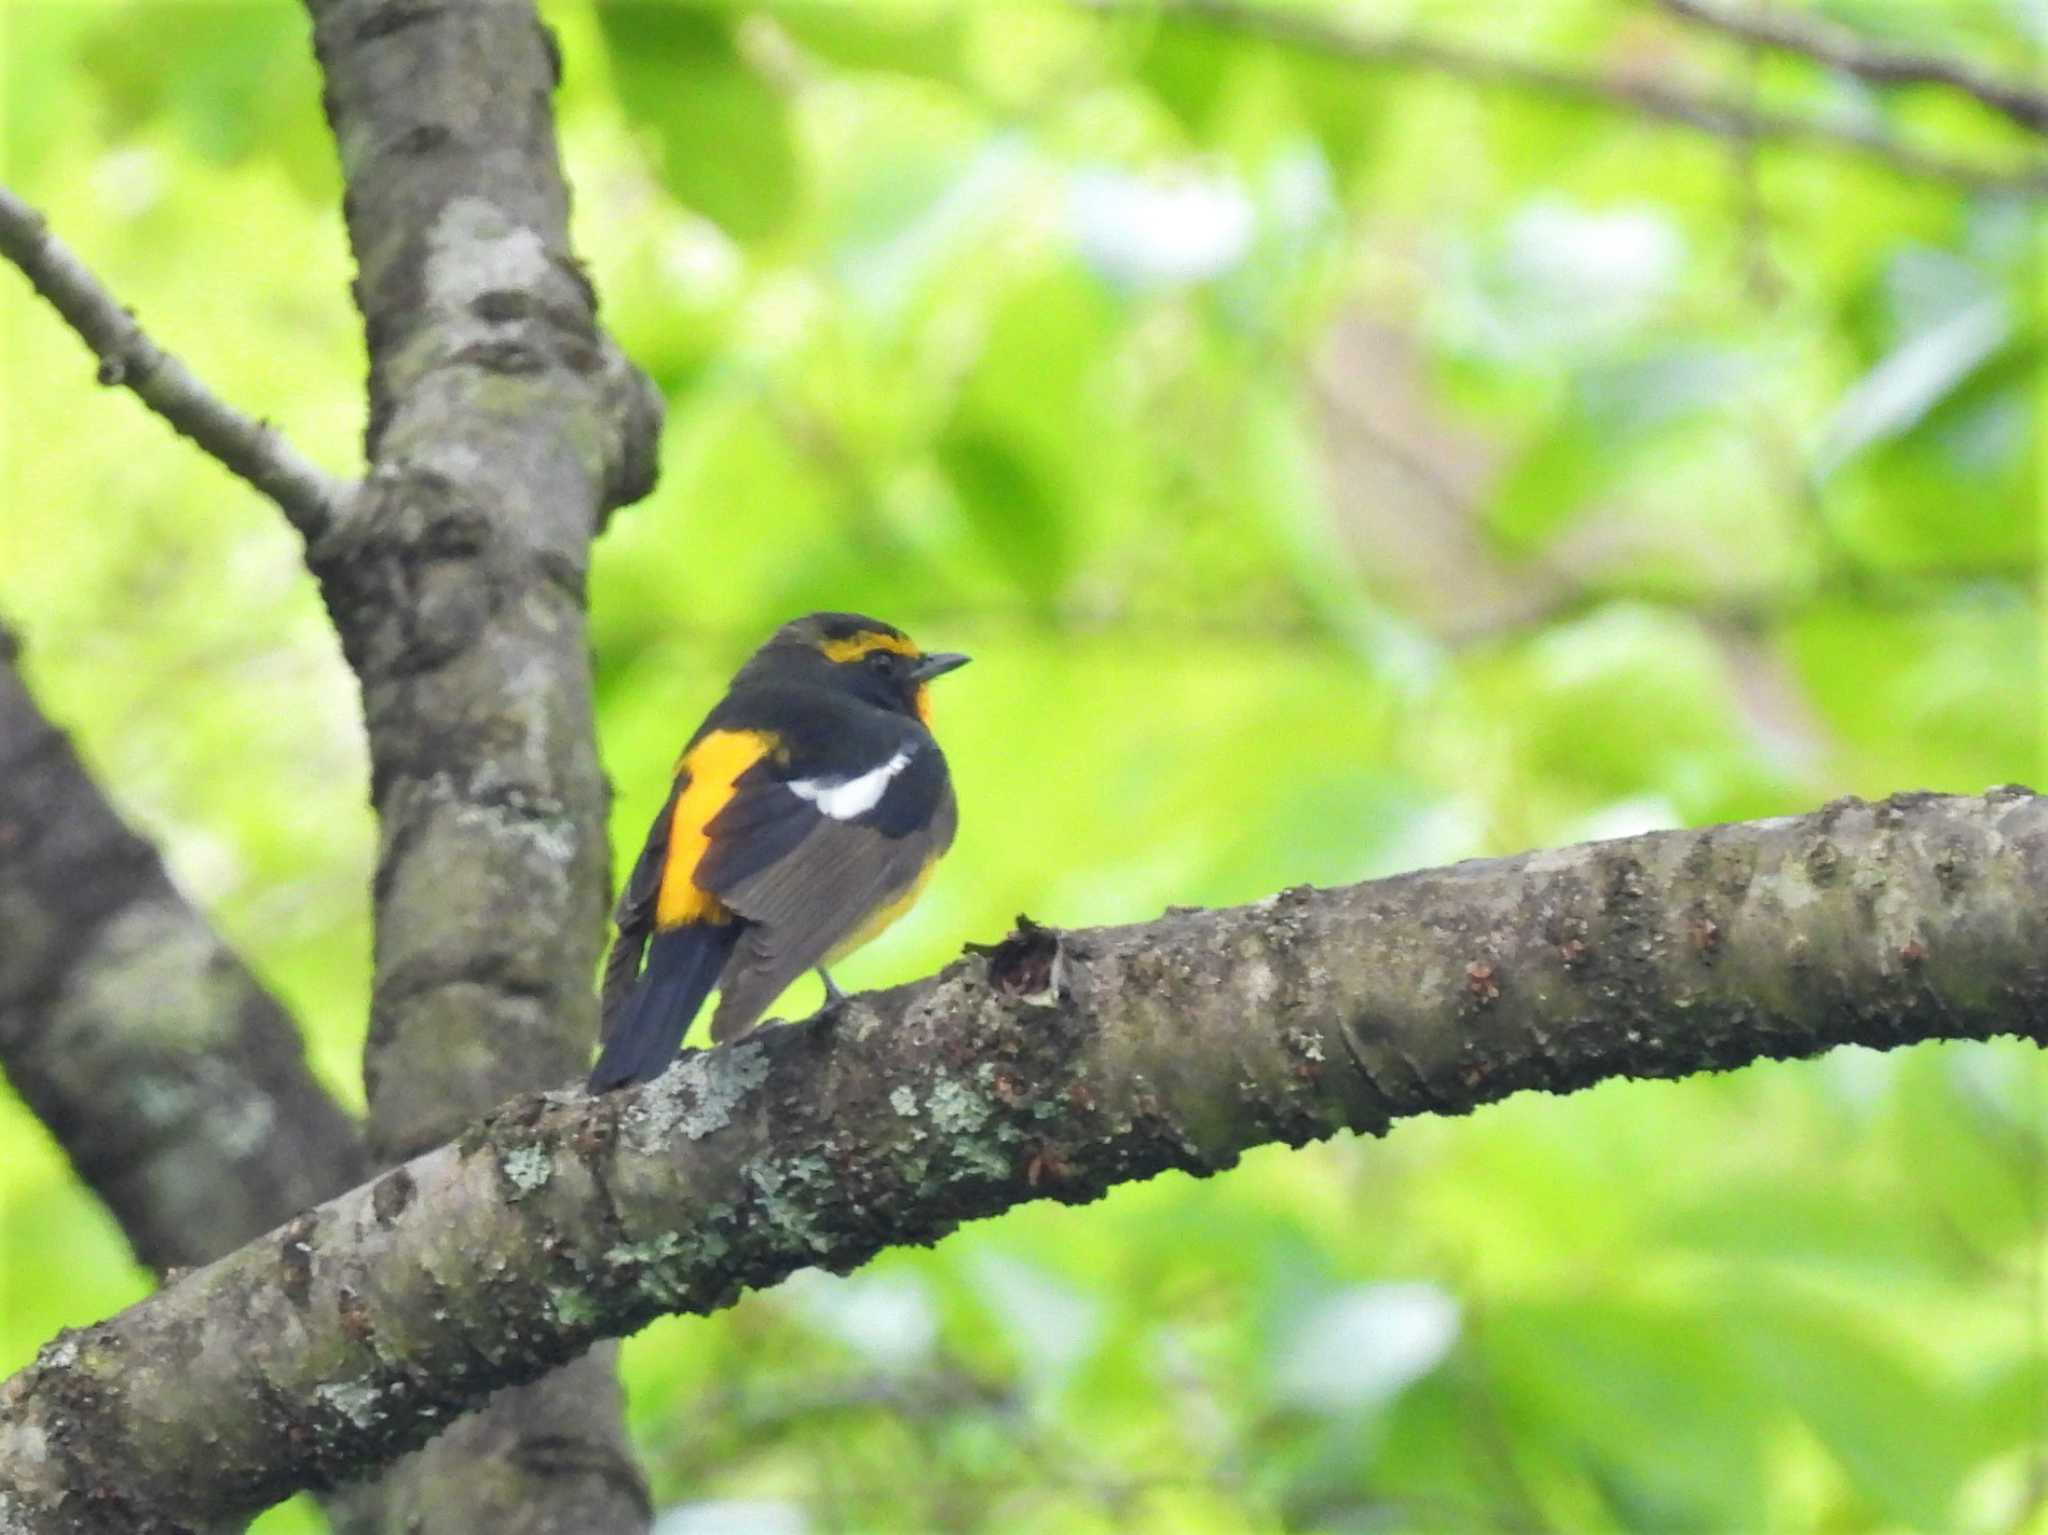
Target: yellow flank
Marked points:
880	918
854	646
713	763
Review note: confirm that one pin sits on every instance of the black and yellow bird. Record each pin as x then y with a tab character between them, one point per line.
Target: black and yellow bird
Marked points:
808	811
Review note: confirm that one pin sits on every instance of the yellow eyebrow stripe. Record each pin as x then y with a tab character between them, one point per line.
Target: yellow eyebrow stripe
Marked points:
867	642
712	765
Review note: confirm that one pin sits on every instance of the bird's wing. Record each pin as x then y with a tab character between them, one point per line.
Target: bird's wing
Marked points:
808	861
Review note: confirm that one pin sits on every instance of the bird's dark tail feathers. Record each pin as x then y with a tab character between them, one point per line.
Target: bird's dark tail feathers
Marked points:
682	967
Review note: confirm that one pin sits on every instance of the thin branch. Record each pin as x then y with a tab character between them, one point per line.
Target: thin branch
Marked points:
1652	98
313	500
1839	48
1051	1066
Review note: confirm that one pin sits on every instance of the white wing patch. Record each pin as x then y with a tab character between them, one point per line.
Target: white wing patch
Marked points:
843	799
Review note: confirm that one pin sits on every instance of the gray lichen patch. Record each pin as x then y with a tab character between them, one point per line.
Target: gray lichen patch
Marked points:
474	248
573	1308
696	1097
356	1400
154	961
653	1250
904	1101
957	1108
970	1133
983	1158
663	1265
527	1168
788	1196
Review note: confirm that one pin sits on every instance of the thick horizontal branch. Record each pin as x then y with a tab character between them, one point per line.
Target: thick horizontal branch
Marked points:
1839	48
312	499
1052	1066
174	1082
1652	98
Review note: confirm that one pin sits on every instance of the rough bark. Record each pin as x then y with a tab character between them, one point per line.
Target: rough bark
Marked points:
1052	1066
503	426
174	1082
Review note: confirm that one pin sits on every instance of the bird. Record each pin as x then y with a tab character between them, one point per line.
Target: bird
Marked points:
806	814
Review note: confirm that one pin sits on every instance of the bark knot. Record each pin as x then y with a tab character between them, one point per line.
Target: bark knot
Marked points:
295	1257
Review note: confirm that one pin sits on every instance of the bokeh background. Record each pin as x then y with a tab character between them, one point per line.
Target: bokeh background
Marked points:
1338	461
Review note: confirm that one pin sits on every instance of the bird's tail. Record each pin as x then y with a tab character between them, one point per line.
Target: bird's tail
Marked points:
682	967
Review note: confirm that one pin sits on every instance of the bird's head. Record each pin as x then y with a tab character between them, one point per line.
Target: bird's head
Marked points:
874	661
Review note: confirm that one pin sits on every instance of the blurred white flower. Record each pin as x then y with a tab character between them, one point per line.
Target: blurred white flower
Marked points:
1298	192
1052	1325
780	313
1858	1077
1160	231
129	181
1364	1345
887	1318
1576	259
733	1516
1565	281
701	260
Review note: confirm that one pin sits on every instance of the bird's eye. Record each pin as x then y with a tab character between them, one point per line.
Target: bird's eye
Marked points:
880	661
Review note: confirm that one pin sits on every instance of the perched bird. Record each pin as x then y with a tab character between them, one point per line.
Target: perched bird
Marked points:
808	811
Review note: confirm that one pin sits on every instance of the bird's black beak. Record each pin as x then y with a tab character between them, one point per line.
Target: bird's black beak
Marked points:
924	668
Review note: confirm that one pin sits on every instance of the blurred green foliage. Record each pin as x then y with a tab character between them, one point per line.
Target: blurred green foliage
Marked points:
1334	469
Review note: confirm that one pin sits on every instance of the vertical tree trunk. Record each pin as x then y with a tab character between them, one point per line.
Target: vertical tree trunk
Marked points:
503	426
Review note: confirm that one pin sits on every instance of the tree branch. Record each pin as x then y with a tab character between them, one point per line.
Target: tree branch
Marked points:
174	1082
1053	1066
1839	48
313	500
1651	98
504	425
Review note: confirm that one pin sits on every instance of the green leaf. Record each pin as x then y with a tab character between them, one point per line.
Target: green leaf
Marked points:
233	79
1904	1440
1758	1221
895	38
1936	696
40	106
1897	502
1010	507
1621	700
1650	1403
1905	386
1187	67
1340	104
1048	335
726	145
1550	484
